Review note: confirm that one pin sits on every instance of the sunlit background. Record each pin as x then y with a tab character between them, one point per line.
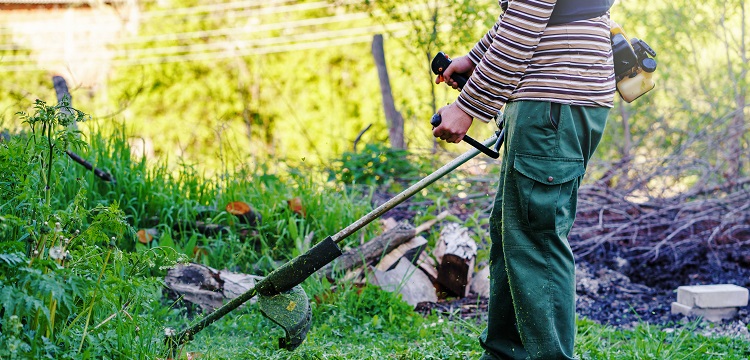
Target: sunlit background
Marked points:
225	83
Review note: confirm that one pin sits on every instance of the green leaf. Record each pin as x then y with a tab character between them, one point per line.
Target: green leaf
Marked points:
167	241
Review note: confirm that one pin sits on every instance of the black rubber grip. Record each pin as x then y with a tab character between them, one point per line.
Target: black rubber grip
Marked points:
437	119
440	62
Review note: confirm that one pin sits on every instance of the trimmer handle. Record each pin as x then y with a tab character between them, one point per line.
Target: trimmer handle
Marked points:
440	62
437	119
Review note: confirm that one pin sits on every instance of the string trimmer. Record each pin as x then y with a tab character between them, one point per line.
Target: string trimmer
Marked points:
281	298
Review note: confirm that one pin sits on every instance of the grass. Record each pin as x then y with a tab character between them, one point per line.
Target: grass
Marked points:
75	283
655	342
382	327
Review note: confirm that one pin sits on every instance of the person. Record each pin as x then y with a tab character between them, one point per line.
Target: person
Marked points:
548	64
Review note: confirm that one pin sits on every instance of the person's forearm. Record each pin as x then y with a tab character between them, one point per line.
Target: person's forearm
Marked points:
504	62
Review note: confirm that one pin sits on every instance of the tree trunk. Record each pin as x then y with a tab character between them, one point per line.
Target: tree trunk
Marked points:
737	132
392	116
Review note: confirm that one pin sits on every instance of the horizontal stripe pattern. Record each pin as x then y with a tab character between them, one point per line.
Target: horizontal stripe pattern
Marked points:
521	58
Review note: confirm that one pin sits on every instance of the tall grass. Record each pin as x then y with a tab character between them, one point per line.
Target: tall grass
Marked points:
153	195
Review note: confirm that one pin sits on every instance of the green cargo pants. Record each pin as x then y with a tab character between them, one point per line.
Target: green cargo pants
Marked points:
532	270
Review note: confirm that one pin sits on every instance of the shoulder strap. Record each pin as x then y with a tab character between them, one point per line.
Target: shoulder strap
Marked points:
572	10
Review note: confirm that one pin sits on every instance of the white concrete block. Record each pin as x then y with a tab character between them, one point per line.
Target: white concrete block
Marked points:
713	315
712	296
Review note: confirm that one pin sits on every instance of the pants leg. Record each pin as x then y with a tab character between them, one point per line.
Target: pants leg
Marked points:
532	296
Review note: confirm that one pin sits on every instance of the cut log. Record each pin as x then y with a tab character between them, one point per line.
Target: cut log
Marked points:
406	279
370	251
456	252
205	287
480	283
388	223
409	250
235	284
196	284
244	212
427	264
376	248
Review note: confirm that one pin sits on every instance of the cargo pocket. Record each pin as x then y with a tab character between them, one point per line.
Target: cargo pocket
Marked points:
547	186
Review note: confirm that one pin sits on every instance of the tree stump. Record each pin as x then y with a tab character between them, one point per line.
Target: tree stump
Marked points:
456	252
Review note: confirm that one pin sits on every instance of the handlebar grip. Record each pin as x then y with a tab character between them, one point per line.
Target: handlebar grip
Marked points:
437	119
440	62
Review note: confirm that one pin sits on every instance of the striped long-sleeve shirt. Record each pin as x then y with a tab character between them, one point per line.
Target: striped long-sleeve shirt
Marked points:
521	58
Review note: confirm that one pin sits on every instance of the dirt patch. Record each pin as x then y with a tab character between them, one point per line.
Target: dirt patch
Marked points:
621	291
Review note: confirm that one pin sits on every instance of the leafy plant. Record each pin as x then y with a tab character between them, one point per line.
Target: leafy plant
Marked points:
375	165
62	278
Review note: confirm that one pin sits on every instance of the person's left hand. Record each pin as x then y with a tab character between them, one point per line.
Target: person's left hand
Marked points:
455	123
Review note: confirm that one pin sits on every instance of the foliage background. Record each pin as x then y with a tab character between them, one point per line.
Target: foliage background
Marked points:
215	84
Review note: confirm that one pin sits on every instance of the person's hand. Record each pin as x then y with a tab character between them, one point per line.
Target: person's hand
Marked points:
459	65
455	123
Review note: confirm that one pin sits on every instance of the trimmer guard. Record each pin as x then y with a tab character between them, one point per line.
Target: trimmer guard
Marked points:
282	299
291	311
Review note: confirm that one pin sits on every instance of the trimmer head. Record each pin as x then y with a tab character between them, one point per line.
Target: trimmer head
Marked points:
291	311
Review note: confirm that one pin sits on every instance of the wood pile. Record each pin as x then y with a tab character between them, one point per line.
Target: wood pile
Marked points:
398	260
407	266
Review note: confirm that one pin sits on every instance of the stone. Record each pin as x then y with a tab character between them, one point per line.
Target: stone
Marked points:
712	296
713	314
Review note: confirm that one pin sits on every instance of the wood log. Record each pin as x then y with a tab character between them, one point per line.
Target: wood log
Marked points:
388	223
480	283
456	253
409	250
406	279
428	265
376	248
205	287
372	250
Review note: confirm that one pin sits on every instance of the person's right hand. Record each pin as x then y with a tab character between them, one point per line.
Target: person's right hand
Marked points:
460	65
